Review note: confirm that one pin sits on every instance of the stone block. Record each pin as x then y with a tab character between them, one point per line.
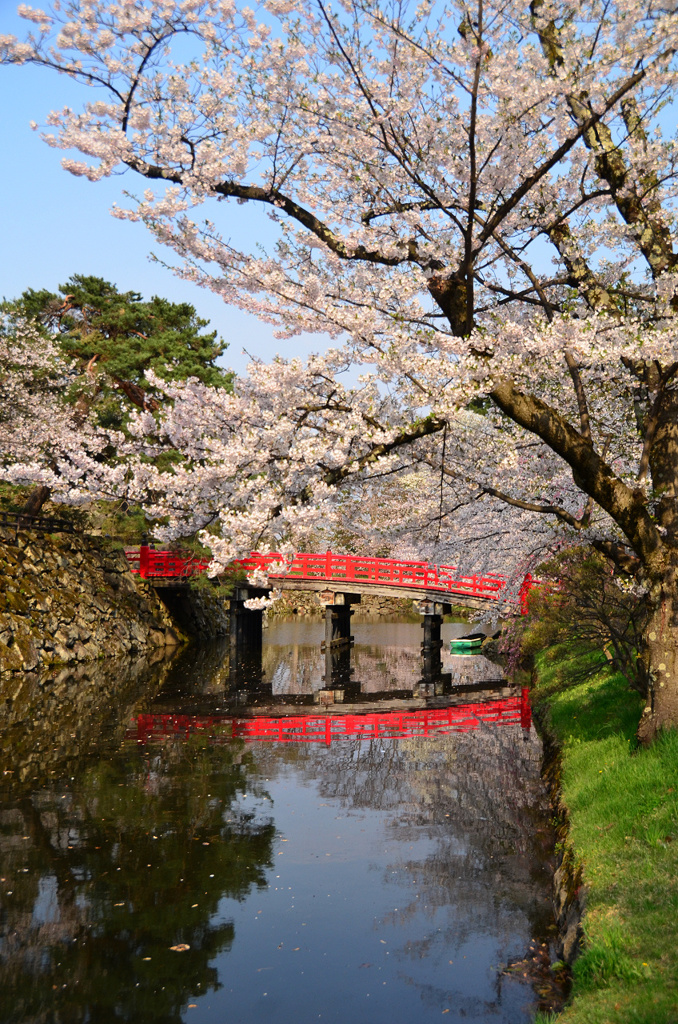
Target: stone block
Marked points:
28	651
61	653
11	659
15	602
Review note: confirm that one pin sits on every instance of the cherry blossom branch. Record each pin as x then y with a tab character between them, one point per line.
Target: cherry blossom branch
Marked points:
584	419
557	156
627	506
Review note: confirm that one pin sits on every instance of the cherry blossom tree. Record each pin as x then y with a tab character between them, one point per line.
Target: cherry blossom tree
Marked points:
295	460
44	441
476	200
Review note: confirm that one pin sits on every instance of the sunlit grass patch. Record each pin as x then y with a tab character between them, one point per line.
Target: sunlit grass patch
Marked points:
605	960
623	806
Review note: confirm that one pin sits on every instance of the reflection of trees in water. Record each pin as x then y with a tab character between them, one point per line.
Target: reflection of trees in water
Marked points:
477	797
470	668
108	873
467	1007
300	669
386	668
297	669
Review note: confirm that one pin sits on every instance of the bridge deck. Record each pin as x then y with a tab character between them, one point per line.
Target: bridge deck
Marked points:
382	590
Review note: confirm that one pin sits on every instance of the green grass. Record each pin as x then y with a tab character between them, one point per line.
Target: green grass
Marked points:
623	806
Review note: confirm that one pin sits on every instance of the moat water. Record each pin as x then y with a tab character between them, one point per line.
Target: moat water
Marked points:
180	842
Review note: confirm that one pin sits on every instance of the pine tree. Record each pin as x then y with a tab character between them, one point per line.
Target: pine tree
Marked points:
114	337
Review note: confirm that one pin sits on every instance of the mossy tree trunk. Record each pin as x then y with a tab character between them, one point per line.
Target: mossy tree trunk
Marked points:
659	655
36	499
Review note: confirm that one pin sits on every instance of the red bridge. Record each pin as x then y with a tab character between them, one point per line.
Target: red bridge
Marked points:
328	728
344	573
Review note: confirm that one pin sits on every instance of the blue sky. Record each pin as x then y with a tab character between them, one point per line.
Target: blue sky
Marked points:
55	225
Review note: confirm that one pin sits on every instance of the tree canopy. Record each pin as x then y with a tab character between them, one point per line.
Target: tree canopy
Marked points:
96	323
123	335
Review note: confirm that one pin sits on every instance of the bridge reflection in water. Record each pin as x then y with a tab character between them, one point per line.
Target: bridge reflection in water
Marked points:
398	693
326	728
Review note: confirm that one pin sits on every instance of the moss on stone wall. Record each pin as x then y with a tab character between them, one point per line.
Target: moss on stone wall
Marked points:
67	598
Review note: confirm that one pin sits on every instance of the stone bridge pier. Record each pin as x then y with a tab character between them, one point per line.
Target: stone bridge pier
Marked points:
338	613
245	636
431	645
432	613
246	625
246	629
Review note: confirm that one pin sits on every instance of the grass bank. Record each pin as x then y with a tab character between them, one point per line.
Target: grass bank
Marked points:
623	807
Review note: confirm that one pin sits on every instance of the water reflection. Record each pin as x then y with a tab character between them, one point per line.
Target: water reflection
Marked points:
385	660
383	877
462	716
384	664
51	720
462	861
103	873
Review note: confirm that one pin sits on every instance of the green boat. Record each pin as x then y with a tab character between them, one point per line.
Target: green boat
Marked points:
472	641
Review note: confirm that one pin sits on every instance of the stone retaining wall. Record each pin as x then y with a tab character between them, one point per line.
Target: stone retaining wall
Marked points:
304	602
67	598
569	896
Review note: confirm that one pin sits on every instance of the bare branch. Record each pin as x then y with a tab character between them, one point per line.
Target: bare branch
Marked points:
584	421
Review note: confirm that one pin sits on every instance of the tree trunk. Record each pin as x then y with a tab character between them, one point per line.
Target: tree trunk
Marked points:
659	654
36	500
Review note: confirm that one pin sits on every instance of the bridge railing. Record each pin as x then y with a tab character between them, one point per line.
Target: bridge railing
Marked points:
149	563
347	569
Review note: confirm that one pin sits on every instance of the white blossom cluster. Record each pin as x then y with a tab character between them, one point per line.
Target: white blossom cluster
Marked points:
43	439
